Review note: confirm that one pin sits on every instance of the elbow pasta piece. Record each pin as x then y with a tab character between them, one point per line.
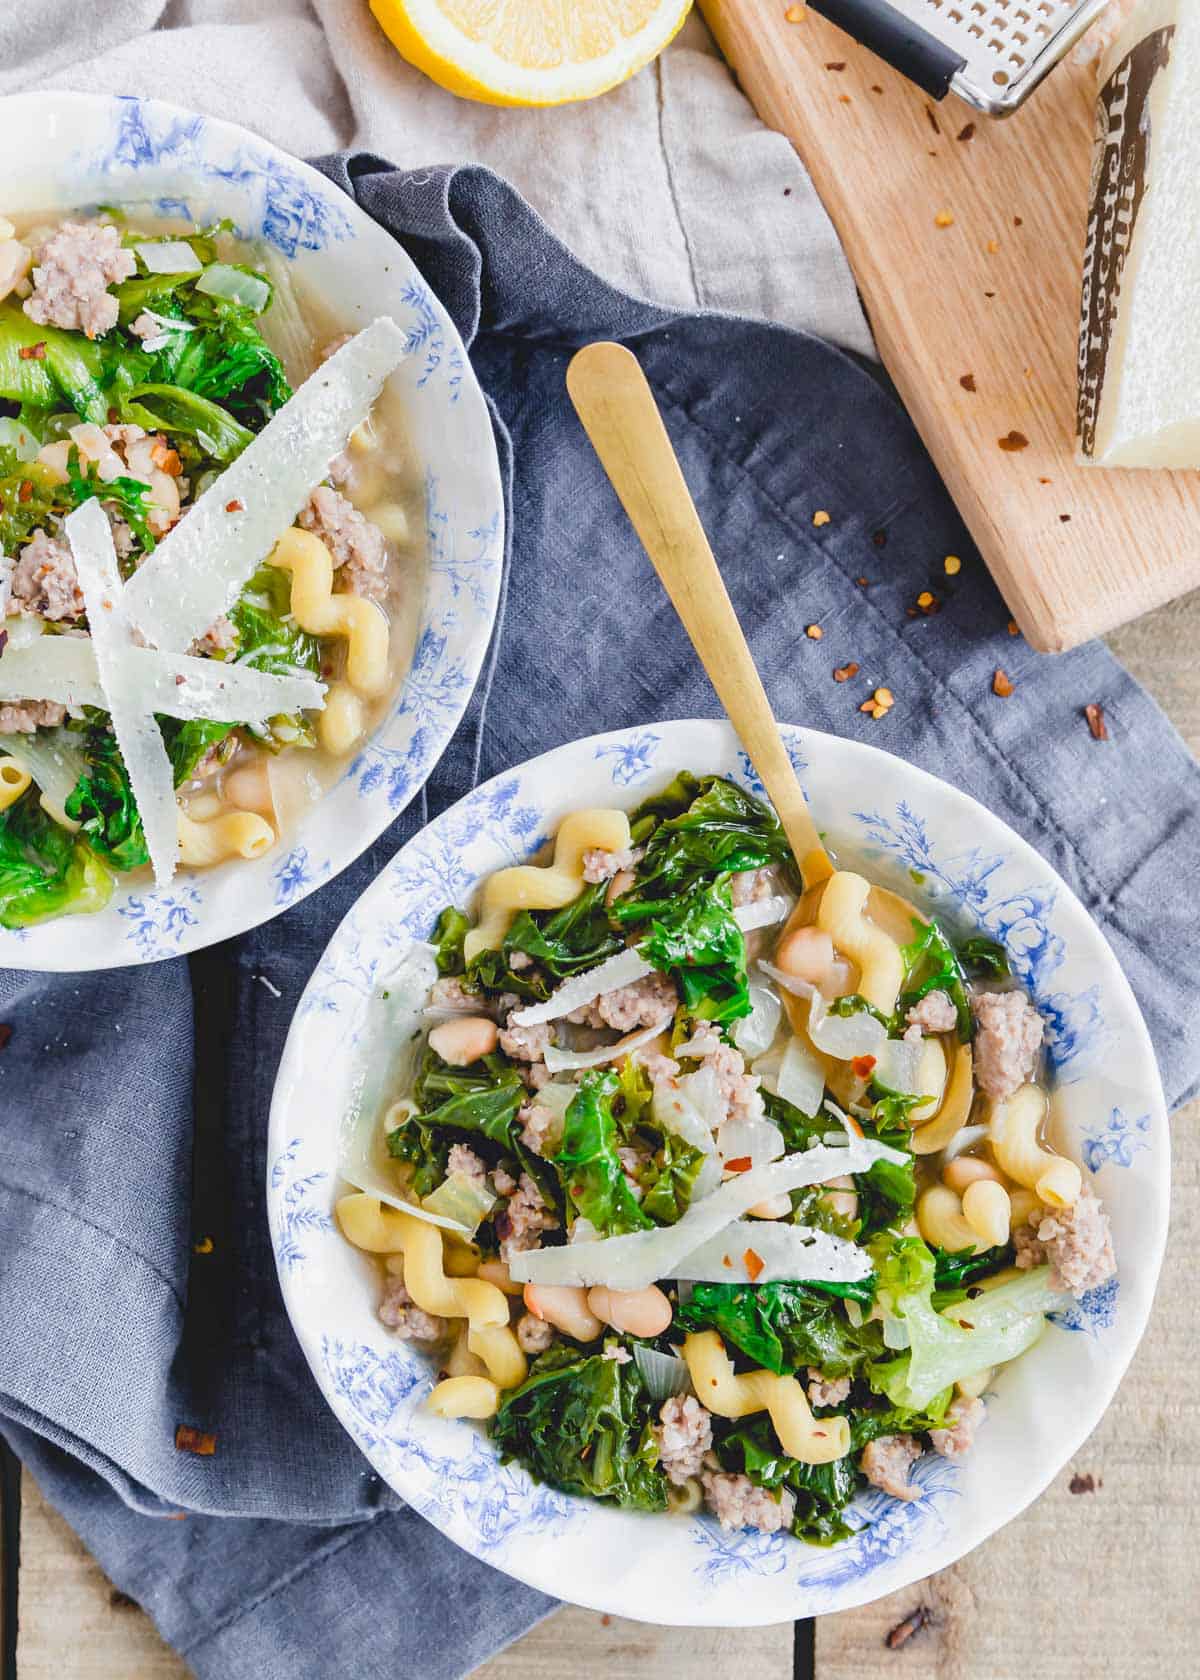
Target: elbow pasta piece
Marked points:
465	1397
842	914
530	886
237	834
14	779
956	1103
941	1222
1013	1134
343	721
931	1079
807	1439
1022	1206
988	1211
318	610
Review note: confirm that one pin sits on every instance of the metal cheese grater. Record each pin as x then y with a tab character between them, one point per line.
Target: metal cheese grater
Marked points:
992	53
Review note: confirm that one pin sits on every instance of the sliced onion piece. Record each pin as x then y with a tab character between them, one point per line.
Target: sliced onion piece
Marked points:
787	982
756	1141
664	1374
761	913
199	568
755	1033
234	285
55	760
623	969
642	1257
16	435
566	1061
844	1036
801	1078
691	1108
138	736
461	1199
778	1254
169	256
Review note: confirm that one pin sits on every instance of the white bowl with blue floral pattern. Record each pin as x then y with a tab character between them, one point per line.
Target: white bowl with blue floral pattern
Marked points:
908	830
64	152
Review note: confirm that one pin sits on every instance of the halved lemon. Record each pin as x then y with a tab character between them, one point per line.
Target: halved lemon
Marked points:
529	52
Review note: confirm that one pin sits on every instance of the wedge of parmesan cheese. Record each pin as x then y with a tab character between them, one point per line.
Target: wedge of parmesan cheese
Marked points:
138	735
199	569
63	668
1139	339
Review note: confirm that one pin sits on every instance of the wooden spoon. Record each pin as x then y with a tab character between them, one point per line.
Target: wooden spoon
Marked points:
621	418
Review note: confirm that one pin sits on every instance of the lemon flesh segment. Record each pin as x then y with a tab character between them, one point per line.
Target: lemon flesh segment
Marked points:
529	52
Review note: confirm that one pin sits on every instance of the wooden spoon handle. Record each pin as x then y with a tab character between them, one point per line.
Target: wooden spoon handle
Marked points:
621	418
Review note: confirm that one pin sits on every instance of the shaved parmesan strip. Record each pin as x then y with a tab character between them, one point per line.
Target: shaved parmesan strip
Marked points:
63	668
563	1061
763	912
138	735
642	1257
198	570
623	969
782	1254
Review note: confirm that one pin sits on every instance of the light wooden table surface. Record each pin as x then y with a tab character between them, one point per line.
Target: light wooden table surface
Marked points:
1101	1577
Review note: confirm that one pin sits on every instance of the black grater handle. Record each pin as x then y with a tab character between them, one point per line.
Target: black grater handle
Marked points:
897	40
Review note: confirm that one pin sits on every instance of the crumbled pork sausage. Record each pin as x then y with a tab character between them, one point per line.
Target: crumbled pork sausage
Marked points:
737	1503
44	579
534	1334
684	1436
521	1224
218	638
74	270
466	1164
527	1044
826	1391
28	715
327	350
539	1126
618	1354
645	1003
411	1323
963	1418
599	865
739	1089
503	1180
887	1461
145	326
518	960
1076	1241
935	1013
660	1069
1007	1041
632	1161
748	886
359	548
450	993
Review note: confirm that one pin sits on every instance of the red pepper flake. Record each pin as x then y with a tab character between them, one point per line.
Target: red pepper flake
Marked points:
1014	629
912	1624
933	122
179	681
1002	684
198	1441
1013	442
843	673
6	1033
989	294
863	1066
236	506
1064	518
1016	221
726	1261
862	582
875	88
33	352
3	640
1094	713
853	1127
967	381
740	1163
819	1434
840	65
1086	1483
754	1264
25	491
966	133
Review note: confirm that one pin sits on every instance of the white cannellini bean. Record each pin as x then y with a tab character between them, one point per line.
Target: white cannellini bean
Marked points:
249	788
55	456
841	1197
14	264
565	1305
987	1210
969	1169
496	1271
806	953
639	1312
775	1207
464	1041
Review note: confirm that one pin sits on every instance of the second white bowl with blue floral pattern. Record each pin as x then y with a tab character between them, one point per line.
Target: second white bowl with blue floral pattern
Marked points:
68	151
903	827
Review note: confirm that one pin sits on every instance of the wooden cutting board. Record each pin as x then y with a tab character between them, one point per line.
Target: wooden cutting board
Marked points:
976	317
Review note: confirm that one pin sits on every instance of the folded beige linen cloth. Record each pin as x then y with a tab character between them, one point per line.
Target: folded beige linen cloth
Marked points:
669	186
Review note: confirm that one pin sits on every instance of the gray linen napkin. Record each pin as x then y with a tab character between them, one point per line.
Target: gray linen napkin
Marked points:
293	1559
